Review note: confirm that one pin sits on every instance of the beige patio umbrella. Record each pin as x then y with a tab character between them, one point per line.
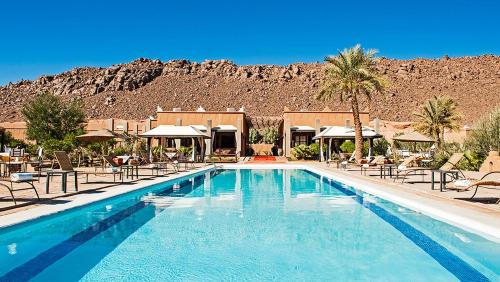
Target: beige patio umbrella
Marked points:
413	137
99	136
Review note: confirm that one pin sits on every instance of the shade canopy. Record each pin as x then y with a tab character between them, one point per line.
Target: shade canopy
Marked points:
413	137
302	128
225	128
343	132
171	131
99	136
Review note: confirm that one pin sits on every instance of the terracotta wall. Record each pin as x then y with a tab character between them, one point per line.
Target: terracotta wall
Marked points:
326	118
18	129
200	118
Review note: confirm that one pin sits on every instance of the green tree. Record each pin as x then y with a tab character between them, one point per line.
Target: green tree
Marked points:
347	76
436	115
49	117
485	135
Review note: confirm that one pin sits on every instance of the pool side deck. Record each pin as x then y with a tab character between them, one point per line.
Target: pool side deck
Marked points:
483	219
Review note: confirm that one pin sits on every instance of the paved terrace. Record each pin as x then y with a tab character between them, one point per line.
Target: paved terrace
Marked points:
97	184
486	200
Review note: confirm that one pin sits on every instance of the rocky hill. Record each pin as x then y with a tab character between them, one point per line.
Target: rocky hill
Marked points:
134	90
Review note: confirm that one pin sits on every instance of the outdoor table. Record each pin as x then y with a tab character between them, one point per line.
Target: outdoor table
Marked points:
386	167
4	166
129	170
64	179
442	178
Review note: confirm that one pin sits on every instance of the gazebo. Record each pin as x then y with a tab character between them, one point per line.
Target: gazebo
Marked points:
177	132
343	133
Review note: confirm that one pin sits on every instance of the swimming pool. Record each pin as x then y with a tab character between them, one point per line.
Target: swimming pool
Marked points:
245	224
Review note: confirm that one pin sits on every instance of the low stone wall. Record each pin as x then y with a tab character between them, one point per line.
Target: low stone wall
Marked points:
262	149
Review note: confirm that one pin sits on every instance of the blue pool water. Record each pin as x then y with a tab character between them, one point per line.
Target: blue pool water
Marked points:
245	225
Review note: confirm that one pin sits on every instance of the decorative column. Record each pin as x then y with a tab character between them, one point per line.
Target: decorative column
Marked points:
178	122
287	138
238	136
209	142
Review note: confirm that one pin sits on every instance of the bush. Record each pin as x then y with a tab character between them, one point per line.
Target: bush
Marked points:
380	147
270	135
486	135
254	136
186	151
120	151
12	142
471	161
347	147
303	151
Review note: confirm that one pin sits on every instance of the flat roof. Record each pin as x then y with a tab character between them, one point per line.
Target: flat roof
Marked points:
327	112
205	112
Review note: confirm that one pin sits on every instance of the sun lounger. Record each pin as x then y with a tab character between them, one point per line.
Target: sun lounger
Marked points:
19	178
488	181
66	168
378	160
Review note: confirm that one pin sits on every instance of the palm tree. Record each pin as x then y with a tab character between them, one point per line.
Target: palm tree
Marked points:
436	115
347	76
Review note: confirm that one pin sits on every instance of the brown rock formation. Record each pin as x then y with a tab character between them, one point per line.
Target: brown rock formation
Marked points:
134	90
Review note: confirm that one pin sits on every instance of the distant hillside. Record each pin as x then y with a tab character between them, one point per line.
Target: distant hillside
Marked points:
134	90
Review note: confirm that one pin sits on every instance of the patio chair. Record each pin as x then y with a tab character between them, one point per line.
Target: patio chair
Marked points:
404	166
19	178
66	168
377	160
488	181
116	167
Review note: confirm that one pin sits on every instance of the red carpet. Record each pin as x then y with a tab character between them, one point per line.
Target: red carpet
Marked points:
264	159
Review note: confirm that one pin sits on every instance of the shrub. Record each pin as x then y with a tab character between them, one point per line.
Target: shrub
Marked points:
254	136
347	147
471	161
486	135
120	151
270	135
12	142
186	151
380	147
303	151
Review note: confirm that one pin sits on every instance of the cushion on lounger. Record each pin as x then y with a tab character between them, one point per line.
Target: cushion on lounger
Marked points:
401	167
366	165
21	176
462	183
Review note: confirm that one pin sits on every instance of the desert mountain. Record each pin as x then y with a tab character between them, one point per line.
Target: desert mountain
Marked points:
134	90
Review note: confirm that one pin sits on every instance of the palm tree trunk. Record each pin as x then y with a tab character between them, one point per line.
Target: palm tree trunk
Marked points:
438	138
358	137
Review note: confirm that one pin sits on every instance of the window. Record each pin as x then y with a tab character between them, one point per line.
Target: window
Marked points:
302	138
225	140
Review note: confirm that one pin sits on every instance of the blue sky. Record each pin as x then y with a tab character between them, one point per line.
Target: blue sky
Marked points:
46	37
